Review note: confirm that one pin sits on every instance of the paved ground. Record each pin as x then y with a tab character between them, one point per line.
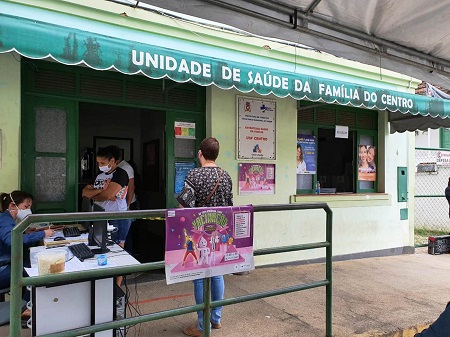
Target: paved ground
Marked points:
371	297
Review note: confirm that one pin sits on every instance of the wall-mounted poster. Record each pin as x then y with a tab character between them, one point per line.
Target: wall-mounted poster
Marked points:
366	163
256	128
306	154
181	171
184	130
205	242
256	179
441	158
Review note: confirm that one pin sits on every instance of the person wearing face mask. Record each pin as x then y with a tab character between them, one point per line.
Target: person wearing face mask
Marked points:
15	206
109	190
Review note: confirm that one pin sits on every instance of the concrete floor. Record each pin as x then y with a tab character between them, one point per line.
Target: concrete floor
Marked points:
371	297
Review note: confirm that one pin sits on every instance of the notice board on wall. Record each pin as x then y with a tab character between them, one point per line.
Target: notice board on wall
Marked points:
256	128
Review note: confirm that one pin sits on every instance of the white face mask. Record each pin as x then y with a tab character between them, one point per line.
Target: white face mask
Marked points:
104	168
22	213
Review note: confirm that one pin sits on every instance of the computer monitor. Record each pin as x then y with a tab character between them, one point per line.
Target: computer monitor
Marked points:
86	204
98	234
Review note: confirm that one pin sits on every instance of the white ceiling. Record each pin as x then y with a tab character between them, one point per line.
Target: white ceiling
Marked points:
408	36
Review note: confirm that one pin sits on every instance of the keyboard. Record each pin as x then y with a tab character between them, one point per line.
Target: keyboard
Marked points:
71	231
81	250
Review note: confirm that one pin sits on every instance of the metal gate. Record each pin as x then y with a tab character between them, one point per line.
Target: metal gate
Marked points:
431	209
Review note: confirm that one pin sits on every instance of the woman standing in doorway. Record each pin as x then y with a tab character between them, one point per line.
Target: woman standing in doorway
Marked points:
109	190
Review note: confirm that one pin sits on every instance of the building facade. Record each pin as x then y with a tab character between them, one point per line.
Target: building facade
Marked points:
79	75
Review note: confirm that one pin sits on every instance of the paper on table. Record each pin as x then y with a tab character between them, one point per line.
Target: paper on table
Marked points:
94	265
50	241
72	265
75	265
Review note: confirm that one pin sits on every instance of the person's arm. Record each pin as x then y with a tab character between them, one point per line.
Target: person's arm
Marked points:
447	193
109	193
186	198
230	195
5	232
5	236
90	192
36	236
130	192
117	182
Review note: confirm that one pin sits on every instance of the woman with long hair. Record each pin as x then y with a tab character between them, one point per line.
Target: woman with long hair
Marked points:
301	165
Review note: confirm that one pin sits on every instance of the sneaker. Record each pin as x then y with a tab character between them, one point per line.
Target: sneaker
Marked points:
193	331
216	325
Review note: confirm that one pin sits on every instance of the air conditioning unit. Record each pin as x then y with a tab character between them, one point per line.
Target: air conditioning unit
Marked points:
427	167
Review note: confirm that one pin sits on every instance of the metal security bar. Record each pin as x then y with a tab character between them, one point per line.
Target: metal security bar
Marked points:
18	281
431	209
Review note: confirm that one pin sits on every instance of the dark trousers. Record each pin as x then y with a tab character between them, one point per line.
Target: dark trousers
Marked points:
440	328
5	281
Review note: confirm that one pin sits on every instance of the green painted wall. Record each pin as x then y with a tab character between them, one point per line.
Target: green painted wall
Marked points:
9	122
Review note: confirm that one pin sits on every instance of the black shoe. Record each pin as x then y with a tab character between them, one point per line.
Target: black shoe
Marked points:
23	323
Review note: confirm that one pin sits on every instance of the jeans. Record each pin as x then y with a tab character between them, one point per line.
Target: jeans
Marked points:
123	226
217	291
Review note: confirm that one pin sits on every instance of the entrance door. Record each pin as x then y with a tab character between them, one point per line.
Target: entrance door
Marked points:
49	153
181	149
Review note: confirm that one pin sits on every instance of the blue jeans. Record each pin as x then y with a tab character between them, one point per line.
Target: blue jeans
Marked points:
123	226
217	291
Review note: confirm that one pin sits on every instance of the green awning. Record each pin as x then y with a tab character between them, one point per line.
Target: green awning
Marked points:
41	40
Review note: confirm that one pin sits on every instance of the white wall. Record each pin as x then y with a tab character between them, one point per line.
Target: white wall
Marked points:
429	138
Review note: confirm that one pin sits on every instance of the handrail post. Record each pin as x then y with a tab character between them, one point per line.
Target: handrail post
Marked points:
207	310
328	272
16	279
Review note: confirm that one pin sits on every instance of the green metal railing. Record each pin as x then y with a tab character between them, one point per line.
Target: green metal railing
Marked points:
18	281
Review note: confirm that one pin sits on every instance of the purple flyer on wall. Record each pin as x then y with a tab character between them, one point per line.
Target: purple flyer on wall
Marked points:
208	241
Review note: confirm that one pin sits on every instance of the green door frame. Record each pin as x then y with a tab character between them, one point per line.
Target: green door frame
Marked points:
30	154
181	102
171	118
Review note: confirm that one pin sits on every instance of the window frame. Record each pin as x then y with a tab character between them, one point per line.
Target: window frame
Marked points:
359	130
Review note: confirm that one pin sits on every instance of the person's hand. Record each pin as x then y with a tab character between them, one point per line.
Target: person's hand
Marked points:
49	232
90	187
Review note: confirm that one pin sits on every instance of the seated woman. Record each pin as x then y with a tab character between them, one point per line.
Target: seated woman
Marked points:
15	206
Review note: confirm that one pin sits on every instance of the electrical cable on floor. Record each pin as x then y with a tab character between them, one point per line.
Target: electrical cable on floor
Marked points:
134	309
136	299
